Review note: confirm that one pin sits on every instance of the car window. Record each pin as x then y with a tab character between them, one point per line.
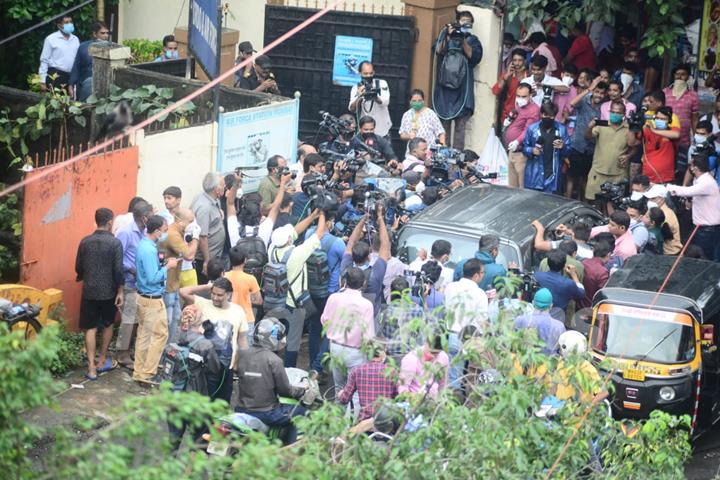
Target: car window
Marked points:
463	247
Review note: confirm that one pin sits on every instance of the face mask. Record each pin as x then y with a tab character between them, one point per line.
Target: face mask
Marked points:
367	136
417	105
162	238
171	54
368	79
660	124
568	81
699	139
521	102
68	28
547	122
652	205
239	193
616	118
626	79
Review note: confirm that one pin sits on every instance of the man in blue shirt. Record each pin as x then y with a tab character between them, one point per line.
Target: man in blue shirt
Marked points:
152	316
130	236
81	73
563	289
548	328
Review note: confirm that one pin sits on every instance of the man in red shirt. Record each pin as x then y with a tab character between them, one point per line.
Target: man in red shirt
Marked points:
596	272
526	112
581	52
684	103
509	80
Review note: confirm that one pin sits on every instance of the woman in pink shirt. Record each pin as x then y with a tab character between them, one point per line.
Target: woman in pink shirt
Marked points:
425	369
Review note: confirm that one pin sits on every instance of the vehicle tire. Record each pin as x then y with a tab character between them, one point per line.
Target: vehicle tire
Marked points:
30	326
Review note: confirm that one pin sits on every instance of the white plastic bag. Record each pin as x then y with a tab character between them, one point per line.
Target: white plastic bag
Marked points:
494	159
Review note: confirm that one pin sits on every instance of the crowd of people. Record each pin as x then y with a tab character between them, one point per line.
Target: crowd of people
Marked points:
312	251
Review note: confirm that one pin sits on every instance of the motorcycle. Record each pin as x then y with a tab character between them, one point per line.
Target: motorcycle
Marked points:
241	424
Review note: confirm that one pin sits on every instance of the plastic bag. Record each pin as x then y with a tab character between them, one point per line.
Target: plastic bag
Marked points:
494	159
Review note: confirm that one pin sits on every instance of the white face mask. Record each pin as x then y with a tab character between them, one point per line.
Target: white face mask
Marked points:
700	139
652	204
626	79
521	102
568	81
239	193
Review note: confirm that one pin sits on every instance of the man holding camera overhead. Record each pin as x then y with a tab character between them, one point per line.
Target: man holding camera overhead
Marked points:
371	97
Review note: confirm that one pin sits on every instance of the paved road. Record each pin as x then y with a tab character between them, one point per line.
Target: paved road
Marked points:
705	463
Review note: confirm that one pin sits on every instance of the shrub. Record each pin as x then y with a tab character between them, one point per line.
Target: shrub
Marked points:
143	50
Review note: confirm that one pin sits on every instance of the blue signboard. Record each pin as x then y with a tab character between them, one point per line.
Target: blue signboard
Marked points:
204	31
247	138
349	53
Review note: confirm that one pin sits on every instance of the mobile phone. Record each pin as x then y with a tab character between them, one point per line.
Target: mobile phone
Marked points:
601	123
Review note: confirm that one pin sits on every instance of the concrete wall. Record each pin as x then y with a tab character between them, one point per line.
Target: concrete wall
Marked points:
488	28
175	157
153	19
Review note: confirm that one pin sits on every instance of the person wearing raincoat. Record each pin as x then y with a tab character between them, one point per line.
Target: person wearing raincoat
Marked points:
546	144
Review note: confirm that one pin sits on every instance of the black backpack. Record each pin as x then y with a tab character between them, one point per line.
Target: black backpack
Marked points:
453	69
177	365
276	285
255	252
318	270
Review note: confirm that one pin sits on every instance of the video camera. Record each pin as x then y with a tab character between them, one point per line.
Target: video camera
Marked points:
615	192
287	171
636	121
334	125
371	91
458	30
318	188
442	157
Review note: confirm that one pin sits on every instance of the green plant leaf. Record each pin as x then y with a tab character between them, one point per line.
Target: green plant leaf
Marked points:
166	93
81	121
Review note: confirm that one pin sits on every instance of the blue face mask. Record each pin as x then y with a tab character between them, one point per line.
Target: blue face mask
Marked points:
171	54
68	28
660	124
162	238
616	118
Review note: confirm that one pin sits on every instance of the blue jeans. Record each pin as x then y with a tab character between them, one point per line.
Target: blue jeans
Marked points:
280	416
315	337
316	362
172	306
708	238
456	369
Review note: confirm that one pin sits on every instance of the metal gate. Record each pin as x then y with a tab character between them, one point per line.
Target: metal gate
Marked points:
304	62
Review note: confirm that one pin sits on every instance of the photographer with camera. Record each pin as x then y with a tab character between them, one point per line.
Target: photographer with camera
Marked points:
357	254
367	137
703	144
270	184
342	142
612	154
458	52
546	143
260	78
543	85
509	81
371	97
658	139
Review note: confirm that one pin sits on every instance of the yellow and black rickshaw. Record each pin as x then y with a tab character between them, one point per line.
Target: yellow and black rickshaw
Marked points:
661	347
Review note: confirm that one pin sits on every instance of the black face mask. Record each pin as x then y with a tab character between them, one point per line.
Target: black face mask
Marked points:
547	123
367	136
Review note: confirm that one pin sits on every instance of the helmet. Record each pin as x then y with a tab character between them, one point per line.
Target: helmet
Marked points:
572	342
270	333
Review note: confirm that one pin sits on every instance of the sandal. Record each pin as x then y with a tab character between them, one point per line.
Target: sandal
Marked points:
90	377
110	364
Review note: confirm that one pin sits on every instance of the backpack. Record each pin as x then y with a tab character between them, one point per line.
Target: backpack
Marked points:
255	252
318	270
177	364
453	69
275	284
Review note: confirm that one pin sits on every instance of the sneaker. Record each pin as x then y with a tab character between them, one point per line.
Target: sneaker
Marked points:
150	382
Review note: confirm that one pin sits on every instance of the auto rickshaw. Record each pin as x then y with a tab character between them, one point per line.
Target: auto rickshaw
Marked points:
661	347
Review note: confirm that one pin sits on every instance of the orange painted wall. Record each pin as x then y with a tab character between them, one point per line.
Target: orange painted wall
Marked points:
59	210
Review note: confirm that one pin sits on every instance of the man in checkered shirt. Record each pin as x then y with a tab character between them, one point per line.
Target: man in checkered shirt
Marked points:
372	381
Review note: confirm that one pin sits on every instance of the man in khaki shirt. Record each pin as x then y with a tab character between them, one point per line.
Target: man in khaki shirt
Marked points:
176	247
271	183
610	161
657	195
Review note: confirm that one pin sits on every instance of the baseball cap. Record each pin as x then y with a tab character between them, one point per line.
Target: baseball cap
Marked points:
542	299
656	191
281	236
246	47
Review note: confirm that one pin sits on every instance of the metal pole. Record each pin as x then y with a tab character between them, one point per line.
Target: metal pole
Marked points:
188	60
216	88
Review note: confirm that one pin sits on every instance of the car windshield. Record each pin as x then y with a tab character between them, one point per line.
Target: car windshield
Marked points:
463	247
644	334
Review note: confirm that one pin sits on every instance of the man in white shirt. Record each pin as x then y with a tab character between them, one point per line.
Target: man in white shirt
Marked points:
58	55
467	305
539	79
415	158
375	106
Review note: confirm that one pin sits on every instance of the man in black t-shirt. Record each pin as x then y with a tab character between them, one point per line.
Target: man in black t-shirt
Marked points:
260	78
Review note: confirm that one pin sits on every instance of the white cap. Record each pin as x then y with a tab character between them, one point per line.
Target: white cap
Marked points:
636	196
656	191
282	235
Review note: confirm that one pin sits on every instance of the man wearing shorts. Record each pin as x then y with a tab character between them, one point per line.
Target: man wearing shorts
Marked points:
99	265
